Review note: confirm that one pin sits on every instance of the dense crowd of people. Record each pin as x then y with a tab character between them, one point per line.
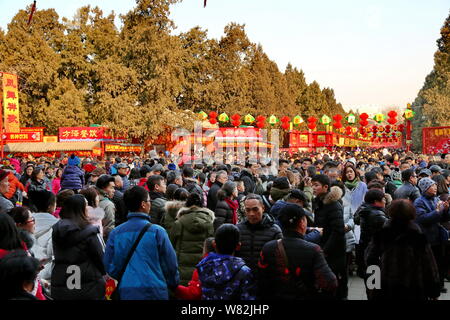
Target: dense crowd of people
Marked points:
159	228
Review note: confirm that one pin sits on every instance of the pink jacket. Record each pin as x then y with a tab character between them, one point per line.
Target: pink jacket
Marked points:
56	185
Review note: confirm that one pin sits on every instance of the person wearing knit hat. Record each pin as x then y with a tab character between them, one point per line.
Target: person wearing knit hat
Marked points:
72	177
5	204
425	184
73	160
431	212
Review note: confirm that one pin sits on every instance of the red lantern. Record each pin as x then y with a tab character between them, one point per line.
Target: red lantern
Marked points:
348	130
312	125
374	129
312	119
235	117
285	119
260	124
260	119
236	123
337	125
337	121
401	127
392	117
285	125
392	120
392	114
364	116
363	123
213	115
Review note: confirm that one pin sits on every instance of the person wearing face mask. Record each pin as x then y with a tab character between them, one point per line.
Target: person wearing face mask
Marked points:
430	213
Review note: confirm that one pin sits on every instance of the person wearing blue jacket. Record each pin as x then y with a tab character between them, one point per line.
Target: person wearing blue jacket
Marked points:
153	268
430	213
72	177
222	275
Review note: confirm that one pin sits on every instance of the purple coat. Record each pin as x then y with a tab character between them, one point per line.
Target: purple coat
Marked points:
72	178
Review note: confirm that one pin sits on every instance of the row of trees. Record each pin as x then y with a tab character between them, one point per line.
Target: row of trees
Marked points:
432	105
142	79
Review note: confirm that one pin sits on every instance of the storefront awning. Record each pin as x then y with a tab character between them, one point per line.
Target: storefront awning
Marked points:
41	147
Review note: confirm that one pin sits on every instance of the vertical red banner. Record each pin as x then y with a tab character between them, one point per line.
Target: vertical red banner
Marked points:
11	102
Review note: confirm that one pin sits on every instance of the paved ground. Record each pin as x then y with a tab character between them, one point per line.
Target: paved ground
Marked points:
357	290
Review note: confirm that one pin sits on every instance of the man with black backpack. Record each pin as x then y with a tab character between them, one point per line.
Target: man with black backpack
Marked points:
292	268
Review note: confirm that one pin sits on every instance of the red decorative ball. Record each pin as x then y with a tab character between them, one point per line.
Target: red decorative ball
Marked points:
213	114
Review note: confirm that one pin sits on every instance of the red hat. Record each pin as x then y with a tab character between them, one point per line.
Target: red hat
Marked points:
89	167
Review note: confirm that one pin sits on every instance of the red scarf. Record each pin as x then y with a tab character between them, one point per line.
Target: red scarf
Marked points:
234	205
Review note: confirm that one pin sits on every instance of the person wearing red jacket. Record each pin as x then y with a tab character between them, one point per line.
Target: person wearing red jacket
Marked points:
145	172
14	184
193	291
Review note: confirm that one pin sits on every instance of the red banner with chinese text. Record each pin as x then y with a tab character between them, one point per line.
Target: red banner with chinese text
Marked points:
80	133
436	140
11	137
11	102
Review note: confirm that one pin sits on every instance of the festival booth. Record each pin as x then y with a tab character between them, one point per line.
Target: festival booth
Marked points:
436	140
54	149
226	139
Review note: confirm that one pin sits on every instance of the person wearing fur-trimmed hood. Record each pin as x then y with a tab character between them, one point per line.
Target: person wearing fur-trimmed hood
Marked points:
329	215
193	225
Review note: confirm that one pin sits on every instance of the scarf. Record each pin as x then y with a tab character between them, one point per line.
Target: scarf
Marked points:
234	205
352	184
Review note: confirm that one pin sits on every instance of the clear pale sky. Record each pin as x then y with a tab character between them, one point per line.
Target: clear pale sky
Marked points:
373	53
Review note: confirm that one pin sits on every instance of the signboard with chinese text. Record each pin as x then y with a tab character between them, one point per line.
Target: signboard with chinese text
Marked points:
11	137
10	102
120	148
436	140
80	133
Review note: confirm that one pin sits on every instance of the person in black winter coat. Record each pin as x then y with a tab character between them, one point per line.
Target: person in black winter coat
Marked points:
221	178
258	229
77	243
371	217
292	268
249	180
329	215
408	268
190	184
226	209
